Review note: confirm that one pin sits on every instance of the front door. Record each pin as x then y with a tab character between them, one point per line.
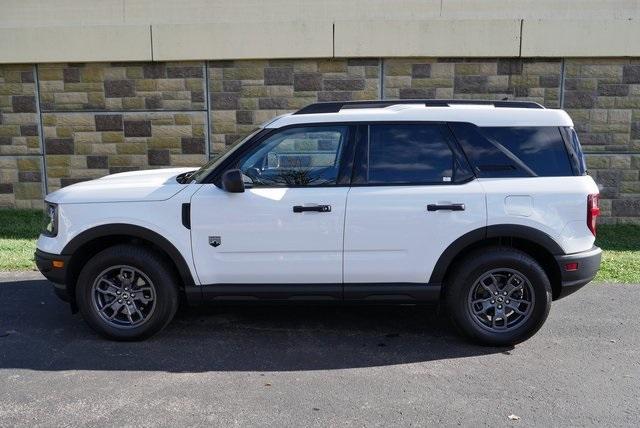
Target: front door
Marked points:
287	227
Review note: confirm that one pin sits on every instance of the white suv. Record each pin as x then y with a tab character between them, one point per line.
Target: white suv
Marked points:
484	206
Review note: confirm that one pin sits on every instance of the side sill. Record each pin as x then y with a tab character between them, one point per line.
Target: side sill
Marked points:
392	292
387	293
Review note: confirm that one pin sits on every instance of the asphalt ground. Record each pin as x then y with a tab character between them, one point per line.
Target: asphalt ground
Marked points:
318	366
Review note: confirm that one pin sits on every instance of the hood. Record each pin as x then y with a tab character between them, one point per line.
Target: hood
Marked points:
134	186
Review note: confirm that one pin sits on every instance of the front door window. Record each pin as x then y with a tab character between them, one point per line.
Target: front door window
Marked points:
295	157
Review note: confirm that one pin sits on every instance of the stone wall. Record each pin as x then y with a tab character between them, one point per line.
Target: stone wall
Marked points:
64	123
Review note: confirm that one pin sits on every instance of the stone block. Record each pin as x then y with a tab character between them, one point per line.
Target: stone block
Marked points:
631	74
23	104
307	81
272	103
181	72
159	157
224	101
613	90
579	99
346	84
278	76
59	146
470	84
119	88
108	122
192	145
97	162
137	128
420	70
625	208
71	75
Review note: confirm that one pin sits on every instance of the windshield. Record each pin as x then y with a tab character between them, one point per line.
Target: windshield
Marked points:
203	172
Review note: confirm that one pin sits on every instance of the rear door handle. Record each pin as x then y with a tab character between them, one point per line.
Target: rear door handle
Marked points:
316	208
447	207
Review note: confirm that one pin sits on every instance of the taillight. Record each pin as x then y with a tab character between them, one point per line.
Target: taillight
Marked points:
593	211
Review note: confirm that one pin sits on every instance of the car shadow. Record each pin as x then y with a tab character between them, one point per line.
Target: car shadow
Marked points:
38	332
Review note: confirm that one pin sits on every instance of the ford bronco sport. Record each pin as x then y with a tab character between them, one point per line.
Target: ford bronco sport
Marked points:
482	206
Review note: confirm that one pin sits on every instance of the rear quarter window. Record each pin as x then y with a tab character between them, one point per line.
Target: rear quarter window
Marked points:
514	151
540	148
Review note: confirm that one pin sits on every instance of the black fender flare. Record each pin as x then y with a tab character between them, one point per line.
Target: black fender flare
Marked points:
494	231
134	231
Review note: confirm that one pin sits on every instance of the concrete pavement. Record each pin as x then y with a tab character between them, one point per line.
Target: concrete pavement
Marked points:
318	366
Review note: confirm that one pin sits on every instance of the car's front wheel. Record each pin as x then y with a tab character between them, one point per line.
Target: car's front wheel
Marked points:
127	292
498	296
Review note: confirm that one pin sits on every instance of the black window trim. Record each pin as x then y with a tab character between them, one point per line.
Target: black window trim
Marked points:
361	161
345	163
575	160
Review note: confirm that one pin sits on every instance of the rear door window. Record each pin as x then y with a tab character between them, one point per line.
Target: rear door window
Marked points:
409	154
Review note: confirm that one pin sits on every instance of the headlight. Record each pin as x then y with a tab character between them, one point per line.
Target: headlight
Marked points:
50	219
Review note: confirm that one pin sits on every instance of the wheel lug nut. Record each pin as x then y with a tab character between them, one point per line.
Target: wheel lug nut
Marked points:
493	301
499	306
495	292
133	294
507	301
117	292
126	289
128	302
119	300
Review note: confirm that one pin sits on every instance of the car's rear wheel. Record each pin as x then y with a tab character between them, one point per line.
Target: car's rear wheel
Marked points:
127	292
498	296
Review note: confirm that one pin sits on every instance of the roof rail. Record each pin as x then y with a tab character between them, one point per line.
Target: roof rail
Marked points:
335	107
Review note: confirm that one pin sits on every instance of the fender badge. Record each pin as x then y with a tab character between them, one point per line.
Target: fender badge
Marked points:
215	241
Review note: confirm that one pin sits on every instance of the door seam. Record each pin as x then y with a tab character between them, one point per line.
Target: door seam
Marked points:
344	234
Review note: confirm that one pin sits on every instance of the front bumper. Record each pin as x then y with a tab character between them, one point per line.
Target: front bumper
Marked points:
57	275
588	263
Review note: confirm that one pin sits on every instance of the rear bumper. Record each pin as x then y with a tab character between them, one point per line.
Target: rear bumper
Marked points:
44	262
588	263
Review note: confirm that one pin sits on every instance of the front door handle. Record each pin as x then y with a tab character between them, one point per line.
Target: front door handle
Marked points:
316	208
447	207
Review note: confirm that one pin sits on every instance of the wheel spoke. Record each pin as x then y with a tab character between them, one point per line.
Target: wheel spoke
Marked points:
129	313
514	283
137	311
486	305
110	290
115	306
140	294
493	286
515	306
127	276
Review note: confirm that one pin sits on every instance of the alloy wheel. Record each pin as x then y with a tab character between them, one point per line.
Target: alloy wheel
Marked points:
500	300
123	296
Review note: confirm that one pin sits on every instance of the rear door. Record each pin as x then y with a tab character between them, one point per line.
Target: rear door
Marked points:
412	195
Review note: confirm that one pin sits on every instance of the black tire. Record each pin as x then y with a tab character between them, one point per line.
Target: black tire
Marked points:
150	264
465	280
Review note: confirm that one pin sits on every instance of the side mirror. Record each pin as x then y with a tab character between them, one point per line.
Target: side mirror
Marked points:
232	181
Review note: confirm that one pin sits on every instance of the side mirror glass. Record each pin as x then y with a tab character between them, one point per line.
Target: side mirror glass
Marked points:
232	181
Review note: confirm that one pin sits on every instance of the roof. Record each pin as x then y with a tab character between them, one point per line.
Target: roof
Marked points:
480	113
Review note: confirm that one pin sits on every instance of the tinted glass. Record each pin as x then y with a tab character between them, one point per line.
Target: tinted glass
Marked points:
409	154
542	149
486	158
307	156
